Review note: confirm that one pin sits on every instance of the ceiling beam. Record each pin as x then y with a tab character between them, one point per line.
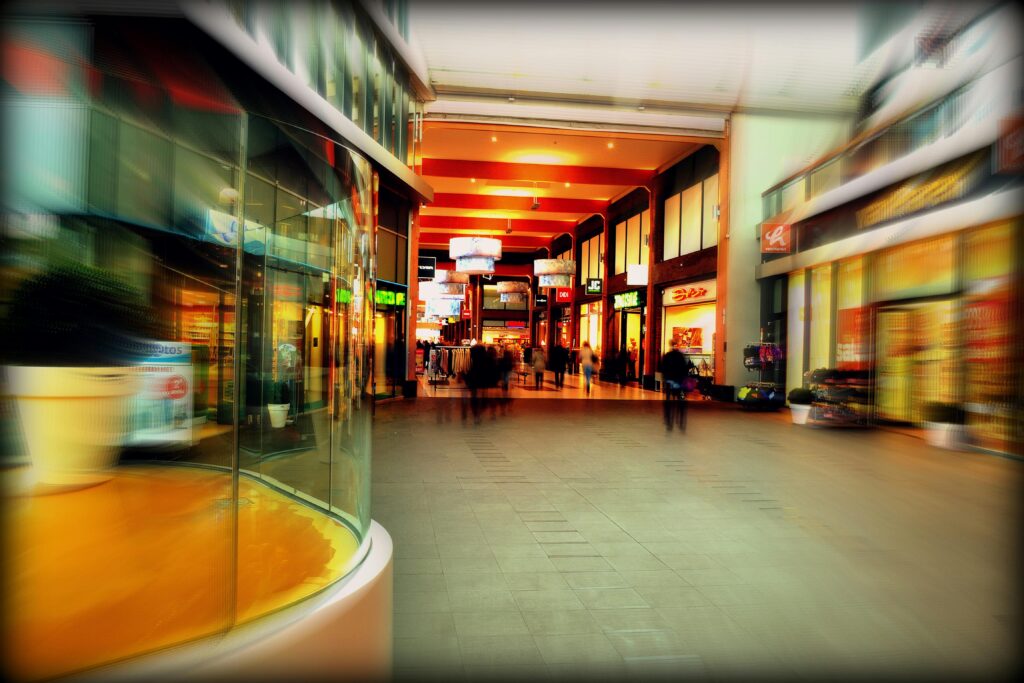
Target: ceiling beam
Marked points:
555	204
439	240
517	224
555	173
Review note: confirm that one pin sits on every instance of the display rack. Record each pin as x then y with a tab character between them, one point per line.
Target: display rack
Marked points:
842	398
761	394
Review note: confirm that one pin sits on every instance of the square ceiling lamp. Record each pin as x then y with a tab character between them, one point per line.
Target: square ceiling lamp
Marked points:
512	292
474	255
554	272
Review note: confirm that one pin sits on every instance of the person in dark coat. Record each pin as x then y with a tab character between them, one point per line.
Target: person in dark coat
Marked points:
673	373
559	359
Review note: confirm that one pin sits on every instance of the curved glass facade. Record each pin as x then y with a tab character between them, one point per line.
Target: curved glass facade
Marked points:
242	484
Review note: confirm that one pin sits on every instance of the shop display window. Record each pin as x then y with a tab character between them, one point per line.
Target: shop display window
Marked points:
821	317
796	315
208	475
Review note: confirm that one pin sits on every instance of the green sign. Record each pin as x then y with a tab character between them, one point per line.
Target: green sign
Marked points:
343	296
626	300
388	298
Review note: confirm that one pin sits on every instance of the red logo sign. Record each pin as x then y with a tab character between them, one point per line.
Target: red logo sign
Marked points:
684	293
775	238
563	294
175	387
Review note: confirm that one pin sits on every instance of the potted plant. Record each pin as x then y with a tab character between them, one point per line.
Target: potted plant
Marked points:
944	424
278	404
73	334
800	400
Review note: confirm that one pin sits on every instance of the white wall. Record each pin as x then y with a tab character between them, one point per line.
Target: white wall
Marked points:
764	149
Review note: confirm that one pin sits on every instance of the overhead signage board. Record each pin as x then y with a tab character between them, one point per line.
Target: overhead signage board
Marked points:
427	267
563	295
776	238
626	300
389	298
594	285
636	275
540	300
690	294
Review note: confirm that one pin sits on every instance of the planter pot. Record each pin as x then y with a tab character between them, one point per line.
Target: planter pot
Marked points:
943	434
278	414
74	421
799	413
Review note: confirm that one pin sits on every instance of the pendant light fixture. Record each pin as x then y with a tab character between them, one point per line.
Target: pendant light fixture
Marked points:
554	272
474	255
512	292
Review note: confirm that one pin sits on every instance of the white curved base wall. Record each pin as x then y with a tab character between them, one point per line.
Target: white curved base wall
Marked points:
346	633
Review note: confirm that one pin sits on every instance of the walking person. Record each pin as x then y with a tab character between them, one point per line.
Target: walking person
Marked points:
587	363
673	374
559	359
539	365
622	366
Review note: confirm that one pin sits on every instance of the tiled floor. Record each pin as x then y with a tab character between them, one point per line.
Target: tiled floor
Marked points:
577	539
526	387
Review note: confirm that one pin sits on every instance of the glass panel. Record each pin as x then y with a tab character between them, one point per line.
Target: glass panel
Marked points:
820	316
915	270
402	256
620	248
595	253
852	317
633	241
671	246
690	220
386	248
584	265
144	176
645	237
710	224
796	315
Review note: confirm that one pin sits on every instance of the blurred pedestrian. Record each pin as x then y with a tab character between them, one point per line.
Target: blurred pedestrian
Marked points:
559	359
587	360
539	365
673	374
622	365
634	353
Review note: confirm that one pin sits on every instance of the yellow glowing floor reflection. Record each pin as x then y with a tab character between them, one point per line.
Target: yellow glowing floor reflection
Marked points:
145	561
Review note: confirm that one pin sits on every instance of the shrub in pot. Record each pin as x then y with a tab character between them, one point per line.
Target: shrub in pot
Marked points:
944	424
800	404
279	401
73	334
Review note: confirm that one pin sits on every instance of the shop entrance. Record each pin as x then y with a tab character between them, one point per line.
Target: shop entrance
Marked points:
916	359
628	333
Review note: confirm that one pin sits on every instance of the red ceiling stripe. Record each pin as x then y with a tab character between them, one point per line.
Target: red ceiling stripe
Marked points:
468	223
496	170
554	204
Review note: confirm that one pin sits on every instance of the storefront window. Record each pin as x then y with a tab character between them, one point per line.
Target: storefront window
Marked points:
797	314
821	317
590	325
852	317
692	328
590	264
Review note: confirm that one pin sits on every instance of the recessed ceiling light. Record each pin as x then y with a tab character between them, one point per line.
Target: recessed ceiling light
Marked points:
567	184
472	180
494	138
611	145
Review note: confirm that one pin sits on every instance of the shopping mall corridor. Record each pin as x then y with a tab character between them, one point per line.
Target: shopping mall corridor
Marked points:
580	540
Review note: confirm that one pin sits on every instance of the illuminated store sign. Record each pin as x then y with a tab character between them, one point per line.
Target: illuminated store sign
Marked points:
563	294
949	183
594	285
389	298
540	300
690	294
343	296
626	300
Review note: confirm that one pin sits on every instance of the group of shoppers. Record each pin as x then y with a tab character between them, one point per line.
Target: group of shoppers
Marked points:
558	362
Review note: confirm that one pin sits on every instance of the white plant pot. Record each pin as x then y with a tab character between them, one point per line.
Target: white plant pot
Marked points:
74	421
943	434
278	414
799	413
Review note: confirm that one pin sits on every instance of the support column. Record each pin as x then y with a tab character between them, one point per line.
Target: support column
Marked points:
722	274
653	320
412	298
